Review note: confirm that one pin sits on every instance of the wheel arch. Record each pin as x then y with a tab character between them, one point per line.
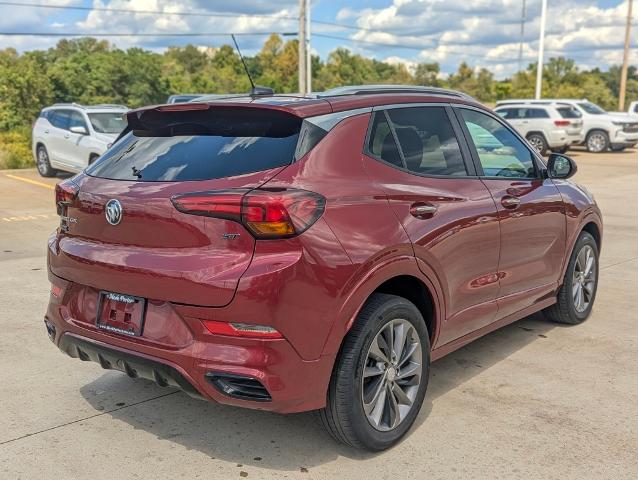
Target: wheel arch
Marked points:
413	289
536	132
592	224
401	277
596	129
592	228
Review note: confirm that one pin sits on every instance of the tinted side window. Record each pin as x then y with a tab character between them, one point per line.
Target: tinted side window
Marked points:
500	152
569	112
508	113
381	142
536	113
427	141
59	118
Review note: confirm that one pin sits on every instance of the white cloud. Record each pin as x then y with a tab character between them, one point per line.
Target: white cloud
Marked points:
481	32
487	32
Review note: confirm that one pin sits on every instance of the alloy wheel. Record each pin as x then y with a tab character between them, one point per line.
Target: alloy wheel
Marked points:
584	279
596	142
392	374
537	143
41	162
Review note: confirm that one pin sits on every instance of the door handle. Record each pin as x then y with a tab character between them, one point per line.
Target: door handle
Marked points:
510	202
422	210
66	135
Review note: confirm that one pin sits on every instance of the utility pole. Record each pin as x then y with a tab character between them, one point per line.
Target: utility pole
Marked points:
304	50
520	48
308	53
541	52
625	59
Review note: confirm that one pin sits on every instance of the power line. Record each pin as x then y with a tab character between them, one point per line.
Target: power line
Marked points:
163	34
193	14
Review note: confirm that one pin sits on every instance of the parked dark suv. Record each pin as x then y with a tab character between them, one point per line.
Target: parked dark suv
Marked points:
315	253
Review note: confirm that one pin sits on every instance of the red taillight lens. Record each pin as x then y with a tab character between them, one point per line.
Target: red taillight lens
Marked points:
65	193
562	123
241	329
265	213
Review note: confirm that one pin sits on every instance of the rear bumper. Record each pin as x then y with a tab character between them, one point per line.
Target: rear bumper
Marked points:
290	384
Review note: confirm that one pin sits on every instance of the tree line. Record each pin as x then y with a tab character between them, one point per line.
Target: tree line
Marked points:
91	71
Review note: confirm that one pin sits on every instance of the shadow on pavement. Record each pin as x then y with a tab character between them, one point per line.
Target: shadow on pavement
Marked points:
288	442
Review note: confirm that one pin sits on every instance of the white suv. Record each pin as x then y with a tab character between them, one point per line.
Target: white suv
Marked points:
546	127
69	136
601	130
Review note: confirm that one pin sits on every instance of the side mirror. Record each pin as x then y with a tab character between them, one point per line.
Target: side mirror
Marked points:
560	166
79	129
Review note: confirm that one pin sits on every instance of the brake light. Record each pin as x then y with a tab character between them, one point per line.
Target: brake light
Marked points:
65	193
241	329
562	123
281	213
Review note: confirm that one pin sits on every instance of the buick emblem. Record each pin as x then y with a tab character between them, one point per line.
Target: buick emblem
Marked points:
113	211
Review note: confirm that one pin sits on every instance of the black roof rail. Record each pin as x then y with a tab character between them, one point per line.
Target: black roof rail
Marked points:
385	89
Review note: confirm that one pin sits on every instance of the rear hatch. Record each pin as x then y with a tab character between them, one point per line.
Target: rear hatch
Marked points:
142	245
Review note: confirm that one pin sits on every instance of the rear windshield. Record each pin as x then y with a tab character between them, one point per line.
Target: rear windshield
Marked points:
200	145
569	112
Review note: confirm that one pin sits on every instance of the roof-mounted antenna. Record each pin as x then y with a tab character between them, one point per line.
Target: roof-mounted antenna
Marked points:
255	90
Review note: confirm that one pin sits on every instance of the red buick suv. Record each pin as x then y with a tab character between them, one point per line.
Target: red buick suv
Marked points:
295	253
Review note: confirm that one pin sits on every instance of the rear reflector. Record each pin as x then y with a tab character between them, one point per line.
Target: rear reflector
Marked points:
241	329
265	213
56	290
65	193
562	123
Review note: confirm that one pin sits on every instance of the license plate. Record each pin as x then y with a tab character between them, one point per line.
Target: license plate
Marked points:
123	314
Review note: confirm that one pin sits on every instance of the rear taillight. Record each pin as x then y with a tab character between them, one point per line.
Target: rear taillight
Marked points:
265	213
65	193
562	123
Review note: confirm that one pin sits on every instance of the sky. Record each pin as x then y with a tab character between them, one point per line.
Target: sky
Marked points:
484	33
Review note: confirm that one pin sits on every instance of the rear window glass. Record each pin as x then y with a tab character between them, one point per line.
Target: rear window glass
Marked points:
569	112
200	145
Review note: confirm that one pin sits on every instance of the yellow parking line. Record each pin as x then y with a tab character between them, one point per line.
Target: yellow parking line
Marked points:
33	182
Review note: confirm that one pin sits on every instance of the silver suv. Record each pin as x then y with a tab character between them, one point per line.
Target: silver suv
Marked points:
553	127
602	131
69	136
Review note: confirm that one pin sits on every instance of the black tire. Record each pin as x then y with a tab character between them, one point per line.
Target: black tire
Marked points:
564	310
42	163
344	416
538	142
597	141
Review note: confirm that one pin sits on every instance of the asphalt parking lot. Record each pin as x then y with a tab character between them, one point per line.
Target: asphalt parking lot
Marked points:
532	400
